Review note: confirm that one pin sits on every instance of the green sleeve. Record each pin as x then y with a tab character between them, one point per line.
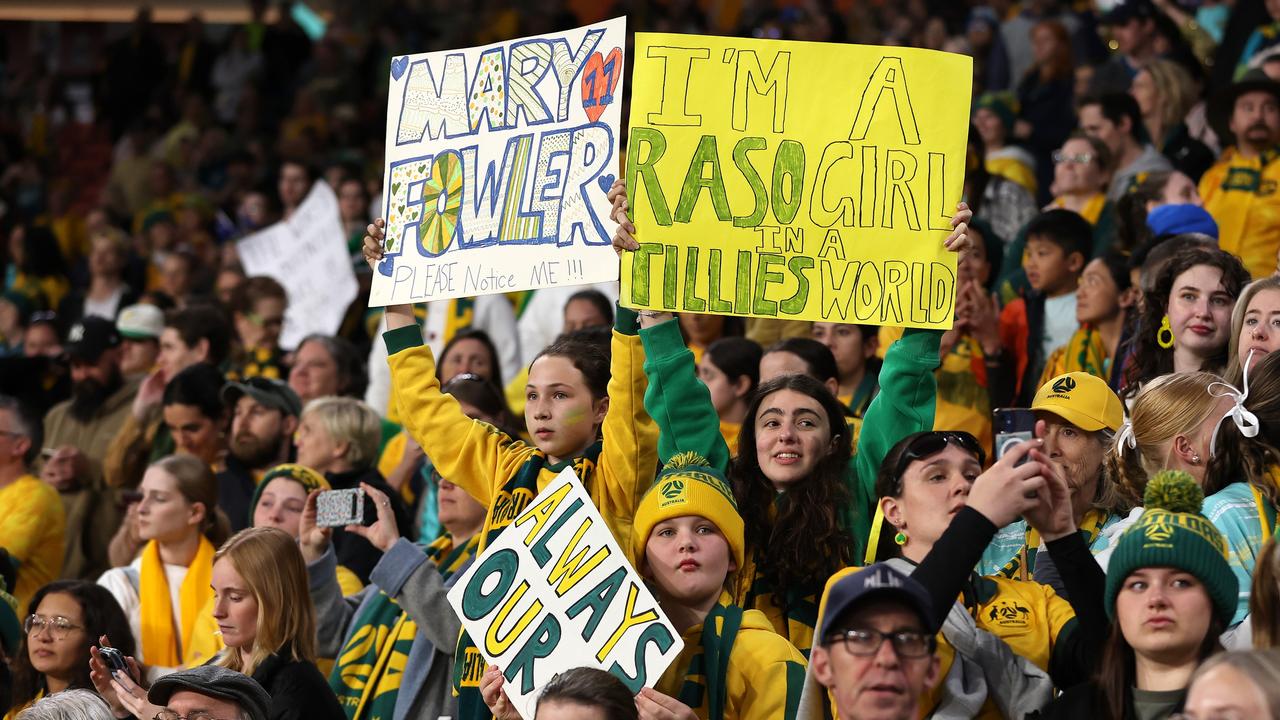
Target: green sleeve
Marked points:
903	406
678	401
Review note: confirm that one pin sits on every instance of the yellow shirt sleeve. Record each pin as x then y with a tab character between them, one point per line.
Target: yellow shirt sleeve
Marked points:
33	528
473	455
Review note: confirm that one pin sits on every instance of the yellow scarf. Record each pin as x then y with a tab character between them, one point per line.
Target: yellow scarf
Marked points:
160	643
1091	211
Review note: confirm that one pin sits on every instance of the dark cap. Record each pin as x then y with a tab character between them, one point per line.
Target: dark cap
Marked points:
91	337
1130	10
1223	105
880	581
267	392
217	682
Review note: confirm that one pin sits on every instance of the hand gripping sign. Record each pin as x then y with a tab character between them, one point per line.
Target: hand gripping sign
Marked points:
555	592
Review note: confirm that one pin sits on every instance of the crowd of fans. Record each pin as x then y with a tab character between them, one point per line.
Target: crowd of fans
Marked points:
822	510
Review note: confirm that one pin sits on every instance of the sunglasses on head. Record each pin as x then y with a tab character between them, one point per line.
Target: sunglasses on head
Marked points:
932	443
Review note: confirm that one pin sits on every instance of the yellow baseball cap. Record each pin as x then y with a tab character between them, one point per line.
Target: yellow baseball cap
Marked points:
1081	399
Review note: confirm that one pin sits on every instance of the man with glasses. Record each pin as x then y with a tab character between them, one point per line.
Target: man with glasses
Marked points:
32	520
209	692
875	655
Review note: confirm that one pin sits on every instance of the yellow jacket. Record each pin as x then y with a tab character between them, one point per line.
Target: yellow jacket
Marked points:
504	473
33	526
1241	195
764	678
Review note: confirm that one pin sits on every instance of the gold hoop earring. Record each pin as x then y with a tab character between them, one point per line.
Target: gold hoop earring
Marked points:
1165	331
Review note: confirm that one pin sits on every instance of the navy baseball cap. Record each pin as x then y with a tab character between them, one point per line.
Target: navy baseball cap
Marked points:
880	581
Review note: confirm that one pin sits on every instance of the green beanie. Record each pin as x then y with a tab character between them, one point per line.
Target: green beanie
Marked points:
1173	533
1004	105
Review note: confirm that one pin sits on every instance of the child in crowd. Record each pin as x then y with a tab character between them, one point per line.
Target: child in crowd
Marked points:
1031	327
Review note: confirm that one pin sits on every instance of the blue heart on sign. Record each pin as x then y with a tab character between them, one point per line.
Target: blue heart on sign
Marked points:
398	66
385	266
606	182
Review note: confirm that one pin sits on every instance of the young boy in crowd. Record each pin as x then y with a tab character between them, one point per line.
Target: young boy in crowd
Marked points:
1058	246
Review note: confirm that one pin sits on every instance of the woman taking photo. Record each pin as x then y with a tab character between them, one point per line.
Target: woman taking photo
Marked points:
1170	594
1185	324
941	510
163	590
66	619
263	608
338	437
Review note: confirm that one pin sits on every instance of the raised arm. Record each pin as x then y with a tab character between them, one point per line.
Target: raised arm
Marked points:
629	453
677	400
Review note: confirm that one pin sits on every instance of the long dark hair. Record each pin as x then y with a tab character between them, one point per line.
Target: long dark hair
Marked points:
807	514
102	616
737	357
1117	674
1149	359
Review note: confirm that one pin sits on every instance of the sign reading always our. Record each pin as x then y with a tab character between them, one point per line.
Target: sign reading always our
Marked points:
498	161
555	592
793	180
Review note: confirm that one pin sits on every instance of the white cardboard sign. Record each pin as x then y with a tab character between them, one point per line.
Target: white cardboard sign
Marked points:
555	592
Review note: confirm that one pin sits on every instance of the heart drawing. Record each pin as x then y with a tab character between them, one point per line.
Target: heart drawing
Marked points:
398	66
599	79
606	182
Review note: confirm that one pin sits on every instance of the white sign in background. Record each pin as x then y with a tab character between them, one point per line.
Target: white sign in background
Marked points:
307	254
498	162
555	592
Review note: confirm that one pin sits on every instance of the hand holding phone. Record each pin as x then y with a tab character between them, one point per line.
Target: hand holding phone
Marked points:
339	508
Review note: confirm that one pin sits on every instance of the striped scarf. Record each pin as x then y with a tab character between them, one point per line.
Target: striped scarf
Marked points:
708	672
371	665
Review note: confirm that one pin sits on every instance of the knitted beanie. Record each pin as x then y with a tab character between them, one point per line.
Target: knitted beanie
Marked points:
306	477
1004	105
1173	533
688	486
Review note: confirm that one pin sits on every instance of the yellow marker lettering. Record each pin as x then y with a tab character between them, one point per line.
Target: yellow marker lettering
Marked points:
573	566
628	621
497	644
542	512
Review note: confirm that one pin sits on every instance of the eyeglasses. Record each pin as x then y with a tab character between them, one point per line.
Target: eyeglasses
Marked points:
1060	157
906	643
171	715
59	626
931	443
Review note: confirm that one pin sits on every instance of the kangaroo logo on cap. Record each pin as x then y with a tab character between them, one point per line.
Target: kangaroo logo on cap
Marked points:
1064	385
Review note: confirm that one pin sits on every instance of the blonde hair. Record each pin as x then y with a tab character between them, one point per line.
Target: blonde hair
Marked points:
197	484
1262	667
1176	89
1169	406
1235	373
270	563
349	421
1264	598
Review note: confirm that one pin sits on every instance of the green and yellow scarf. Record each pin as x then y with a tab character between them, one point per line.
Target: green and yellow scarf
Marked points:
708	672
371	665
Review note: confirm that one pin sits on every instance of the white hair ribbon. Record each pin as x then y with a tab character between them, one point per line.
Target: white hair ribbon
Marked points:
1125	439
1245	421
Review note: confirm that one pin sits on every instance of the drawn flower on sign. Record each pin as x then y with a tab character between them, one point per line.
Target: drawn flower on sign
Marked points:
441	203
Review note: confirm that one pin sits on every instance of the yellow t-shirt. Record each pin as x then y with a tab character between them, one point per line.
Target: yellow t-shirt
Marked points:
33	526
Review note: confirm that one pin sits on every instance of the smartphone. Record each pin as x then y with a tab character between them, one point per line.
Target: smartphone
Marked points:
114	660
338	508
1012	426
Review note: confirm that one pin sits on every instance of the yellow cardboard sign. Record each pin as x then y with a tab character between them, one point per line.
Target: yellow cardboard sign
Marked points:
795	180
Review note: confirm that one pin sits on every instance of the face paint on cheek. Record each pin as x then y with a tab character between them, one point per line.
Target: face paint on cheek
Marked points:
575	416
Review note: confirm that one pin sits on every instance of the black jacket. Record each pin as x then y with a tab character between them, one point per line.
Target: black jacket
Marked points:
1083	701
298	691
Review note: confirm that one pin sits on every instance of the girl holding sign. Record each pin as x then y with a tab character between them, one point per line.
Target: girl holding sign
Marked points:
794	477
688	544
575	394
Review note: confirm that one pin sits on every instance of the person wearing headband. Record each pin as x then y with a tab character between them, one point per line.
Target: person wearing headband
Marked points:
1245	464
1077	416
